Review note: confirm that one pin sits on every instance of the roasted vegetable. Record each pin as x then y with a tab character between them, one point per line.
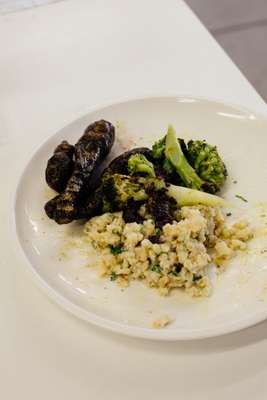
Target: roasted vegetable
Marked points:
198	165
60	166
96	202
128	193
206	161
131	211
139	164
90	151
119	189
91	206
120	164
136	177
159	205
191	197
164	167
175	156
158	149
123	193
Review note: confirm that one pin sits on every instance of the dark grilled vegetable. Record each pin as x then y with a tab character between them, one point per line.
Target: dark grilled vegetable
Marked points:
90	151
60	166
97	202
130	212
86	209
91	206
159	205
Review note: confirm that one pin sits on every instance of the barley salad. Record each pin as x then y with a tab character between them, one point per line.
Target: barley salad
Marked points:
197	237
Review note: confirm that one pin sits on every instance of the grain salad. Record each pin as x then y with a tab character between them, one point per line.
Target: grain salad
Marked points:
176	256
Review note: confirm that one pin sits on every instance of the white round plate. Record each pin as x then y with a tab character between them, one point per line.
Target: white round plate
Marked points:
239	296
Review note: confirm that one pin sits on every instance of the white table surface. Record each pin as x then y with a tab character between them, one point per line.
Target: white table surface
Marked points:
55	63
7	6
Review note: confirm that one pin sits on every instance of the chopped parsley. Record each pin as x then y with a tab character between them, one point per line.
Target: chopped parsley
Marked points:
234	182
158	231
196	277
156	268
115	249
113	276
241	198
228	214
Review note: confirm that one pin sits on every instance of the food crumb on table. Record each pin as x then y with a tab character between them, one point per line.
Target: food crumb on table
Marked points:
161	322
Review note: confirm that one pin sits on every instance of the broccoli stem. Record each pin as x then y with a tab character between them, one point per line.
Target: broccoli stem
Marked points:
191	197
174	154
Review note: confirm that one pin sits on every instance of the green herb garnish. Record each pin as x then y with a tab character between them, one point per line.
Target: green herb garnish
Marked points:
157	231
115	249
156	268
228	214
196	277
113	276
241	198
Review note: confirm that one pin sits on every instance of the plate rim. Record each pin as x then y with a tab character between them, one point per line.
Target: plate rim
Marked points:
91	317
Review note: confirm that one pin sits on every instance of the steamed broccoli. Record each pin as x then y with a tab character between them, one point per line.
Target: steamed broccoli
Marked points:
191	197
174	154
206	161
158	148
138	163
158	152
198	164
168	167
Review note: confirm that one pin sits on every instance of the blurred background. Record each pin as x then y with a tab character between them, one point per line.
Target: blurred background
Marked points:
240	27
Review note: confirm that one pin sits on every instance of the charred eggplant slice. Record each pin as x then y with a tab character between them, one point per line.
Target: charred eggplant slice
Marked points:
60	166
89	152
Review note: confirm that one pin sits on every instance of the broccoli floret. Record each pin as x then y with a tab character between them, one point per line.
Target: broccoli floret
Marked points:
158	149
176	157
206	161
138	163
118	189
197	164
167	166
163	166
